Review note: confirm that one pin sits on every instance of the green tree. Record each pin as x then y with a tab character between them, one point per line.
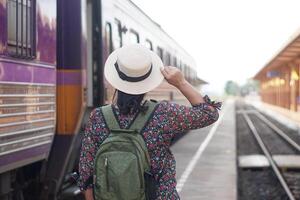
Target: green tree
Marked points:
232	88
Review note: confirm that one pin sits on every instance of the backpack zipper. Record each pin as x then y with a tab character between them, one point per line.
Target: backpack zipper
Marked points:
106	168
94	179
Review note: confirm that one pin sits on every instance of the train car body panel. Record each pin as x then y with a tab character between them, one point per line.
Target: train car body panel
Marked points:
69	66
71	94
27	82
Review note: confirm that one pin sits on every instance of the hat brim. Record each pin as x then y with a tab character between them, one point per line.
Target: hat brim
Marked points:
141	87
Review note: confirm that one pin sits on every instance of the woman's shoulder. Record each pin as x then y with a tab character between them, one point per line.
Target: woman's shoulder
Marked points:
96	114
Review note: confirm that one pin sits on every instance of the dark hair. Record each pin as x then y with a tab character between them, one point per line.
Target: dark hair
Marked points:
129	102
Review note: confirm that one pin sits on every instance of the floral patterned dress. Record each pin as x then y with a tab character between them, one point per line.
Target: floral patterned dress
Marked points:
167	120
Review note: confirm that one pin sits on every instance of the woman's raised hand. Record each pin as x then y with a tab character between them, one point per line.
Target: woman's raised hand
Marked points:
176	78
173	76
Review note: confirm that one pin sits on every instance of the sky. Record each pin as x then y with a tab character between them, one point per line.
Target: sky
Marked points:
229	39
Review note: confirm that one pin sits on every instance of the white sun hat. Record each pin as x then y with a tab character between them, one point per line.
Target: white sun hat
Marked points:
133	69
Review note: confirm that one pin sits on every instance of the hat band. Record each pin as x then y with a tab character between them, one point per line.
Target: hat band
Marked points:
130	78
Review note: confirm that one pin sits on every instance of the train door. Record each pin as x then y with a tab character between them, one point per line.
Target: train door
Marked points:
89	67
89	44
97	65
92	23
75	91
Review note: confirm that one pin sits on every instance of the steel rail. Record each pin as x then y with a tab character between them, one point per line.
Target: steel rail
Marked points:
269	157
278	131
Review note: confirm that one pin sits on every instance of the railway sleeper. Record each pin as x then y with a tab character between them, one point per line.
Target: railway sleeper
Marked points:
260	161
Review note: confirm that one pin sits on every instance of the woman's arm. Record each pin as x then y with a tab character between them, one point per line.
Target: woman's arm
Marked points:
176	78
203	111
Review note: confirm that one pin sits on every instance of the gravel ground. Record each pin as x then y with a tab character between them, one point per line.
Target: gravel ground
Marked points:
262	184
246	143
293	134
293	180
259	185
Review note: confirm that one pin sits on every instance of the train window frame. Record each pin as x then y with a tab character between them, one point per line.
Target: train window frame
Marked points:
194	75
134	33
117	31
175	61
21	28
180	65
167	59
184	70
160	52
188	74
108	31
150	45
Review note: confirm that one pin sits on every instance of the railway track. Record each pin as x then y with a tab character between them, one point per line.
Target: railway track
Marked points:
253	119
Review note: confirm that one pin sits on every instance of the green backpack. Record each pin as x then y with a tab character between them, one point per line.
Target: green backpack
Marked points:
122	160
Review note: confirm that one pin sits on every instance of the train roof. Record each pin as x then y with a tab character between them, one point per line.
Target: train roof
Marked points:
160	27
157	24
200	81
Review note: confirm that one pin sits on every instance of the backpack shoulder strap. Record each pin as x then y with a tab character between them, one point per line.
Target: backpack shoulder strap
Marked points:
142	118
109	117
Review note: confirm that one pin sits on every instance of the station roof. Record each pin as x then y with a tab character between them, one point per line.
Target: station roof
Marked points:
288	53
200	81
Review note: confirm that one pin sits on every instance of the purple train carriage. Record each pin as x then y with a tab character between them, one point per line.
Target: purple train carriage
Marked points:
51	77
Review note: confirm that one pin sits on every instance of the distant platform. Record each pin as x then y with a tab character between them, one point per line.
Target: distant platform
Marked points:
285	116
206	160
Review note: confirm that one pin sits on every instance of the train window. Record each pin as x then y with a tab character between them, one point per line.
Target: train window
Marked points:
134	37
167	59
180	65
175	61
160	52
194	76
184	70
21	28
188	73
117	34
108	44
148	44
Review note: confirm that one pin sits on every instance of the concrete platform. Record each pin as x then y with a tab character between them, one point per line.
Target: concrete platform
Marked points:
206	160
